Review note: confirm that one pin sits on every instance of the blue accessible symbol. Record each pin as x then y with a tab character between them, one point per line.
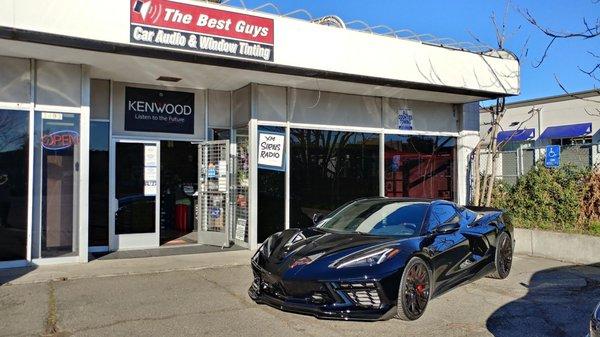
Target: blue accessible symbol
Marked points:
552	156
215	212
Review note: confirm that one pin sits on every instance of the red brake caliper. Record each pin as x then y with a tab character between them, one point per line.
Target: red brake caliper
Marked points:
420	288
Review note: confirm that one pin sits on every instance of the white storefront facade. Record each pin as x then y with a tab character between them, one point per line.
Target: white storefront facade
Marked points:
142	124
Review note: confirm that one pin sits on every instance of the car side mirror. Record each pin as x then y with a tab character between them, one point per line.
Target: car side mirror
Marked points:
317	217
447	228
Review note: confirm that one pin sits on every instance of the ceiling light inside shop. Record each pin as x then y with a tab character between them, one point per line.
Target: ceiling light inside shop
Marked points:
168	79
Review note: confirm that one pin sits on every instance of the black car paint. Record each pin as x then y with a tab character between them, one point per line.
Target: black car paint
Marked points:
455	258
595	322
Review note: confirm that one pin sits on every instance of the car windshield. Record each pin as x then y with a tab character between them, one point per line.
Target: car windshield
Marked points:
378	217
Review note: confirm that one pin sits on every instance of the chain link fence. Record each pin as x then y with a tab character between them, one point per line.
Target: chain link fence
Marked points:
512	164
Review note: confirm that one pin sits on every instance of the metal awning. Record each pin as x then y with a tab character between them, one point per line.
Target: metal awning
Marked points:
567	131
515	135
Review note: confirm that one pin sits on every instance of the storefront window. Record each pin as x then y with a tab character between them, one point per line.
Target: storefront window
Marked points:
419	166
328	169
98	202
14	162
57	157
271	197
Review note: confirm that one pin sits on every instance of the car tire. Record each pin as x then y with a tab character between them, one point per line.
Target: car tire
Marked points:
414	292
503	257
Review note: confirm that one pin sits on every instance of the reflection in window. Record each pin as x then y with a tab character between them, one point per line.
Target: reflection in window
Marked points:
14	162
98	216
271	197
419	166
329	168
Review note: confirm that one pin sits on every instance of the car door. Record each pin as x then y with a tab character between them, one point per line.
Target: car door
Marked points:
448	250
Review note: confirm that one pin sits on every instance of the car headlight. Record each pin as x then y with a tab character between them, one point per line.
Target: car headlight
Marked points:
366	258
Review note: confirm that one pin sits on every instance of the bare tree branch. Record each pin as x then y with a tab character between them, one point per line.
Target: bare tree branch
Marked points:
589	31
575	95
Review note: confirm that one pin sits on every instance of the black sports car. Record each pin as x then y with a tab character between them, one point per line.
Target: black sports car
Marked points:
379	258
595	322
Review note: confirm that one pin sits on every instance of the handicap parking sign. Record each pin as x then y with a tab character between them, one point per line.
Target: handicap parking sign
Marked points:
552	156
215	212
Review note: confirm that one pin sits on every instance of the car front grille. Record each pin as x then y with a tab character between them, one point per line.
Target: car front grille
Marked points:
364	294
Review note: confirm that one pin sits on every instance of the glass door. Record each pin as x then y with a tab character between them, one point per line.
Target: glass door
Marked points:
135	197
56	192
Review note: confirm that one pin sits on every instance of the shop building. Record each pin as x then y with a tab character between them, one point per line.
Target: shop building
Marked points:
570	121
140	124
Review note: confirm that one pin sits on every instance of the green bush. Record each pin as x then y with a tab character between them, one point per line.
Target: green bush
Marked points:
546	198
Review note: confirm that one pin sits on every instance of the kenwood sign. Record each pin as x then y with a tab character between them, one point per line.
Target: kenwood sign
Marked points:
191	26
159	111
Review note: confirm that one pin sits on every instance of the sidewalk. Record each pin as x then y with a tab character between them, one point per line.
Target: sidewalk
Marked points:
118	267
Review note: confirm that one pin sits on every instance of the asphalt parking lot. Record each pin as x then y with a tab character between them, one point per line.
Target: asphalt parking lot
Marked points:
540	298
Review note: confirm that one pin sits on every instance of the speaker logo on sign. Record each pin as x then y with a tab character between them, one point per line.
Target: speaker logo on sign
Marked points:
271	146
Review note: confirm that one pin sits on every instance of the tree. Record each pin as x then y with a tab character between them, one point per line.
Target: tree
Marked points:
588	31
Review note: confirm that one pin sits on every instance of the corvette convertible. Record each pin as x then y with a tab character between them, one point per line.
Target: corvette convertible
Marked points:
378	258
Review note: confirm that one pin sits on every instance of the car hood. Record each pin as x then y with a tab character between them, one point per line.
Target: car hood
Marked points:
318	244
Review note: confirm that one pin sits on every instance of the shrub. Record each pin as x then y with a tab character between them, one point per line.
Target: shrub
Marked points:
545	198
589	208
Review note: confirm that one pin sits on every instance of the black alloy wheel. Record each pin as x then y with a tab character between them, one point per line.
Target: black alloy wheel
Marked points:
415	290
503	258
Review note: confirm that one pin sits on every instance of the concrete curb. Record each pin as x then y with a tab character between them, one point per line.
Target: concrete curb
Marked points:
125	267
576	248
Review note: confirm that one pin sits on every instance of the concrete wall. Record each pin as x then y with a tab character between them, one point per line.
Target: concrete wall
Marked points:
337	109
427	116
328	108
241	106
219	109
575	248
100	99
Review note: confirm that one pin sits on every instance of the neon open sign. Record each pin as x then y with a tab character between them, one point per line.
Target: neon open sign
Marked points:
59	140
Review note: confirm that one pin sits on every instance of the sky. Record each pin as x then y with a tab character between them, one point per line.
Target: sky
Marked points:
463	20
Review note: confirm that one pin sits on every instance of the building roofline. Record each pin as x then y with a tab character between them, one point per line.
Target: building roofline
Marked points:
361	26
555	98
23	35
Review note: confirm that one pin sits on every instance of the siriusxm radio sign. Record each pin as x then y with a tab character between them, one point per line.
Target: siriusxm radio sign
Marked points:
405	119
159	111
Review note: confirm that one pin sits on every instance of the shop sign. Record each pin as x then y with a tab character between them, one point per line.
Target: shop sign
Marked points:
240	229
60	140
150	169
271	146
222	176
405	119
191	26
150	110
